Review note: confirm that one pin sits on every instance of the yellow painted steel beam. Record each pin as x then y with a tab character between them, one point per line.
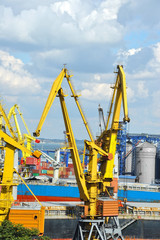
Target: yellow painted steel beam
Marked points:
7	122
13	113
124	93
99	150
21	115
26	139
74	151
17	145
6	198
79	107
53	92
7	184
109	136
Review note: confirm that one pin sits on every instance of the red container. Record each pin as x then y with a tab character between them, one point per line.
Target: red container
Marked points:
67	169
50	168
36	171
70	165
38	167
44	165
50	175
32	161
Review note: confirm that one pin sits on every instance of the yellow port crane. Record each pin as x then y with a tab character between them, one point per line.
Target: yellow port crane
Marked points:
7	181
92	185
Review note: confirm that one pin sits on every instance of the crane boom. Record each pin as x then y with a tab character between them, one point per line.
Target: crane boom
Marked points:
79	107
7	122
22	139
109	136
13	113
53	92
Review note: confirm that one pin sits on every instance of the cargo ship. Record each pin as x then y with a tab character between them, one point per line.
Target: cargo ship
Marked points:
49	185
132	192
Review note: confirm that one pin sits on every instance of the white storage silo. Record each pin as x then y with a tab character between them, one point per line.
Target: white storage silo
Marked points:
157	167
128	160
145	162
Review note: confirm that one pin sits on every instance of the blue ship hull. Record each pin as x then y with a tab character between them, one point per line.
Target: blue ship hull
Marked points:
45	192
139	196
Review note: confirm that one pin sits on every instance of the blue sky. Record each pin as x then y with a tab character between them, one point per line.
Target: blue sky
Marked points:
37	37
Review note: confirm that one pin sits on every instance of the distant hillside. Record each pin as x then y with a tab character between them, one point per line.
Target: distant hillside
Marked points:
52	144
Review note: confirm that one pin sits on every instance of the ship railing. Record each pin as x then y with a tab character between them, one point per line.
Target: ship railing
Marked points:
138	187
60	211
140	212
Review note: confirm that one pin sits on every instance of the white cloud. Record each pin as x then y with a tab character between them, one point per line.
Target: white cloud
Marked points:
97	77
132	51
156	104
75	24
61	8
156	50
142	74
122	56
96	91
111	8
130	94
10	99
155	61
86	35
14	77
142	91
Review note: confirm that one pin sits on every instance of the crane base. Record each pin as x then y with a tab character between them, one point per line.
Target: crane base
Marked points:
98	229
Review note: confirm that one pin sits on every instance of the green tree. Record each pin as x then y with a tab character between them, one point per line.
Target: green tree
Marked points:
11	231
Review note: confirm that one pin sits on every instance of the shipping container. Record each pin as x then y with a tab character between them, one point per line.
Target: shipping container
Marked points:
45	165
32	161
38	167
50	172
35	174
50	168
36	171
70	165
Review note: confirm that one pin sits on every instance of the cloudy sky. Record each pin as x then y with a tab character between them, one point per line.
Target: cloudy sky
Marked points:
37	37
